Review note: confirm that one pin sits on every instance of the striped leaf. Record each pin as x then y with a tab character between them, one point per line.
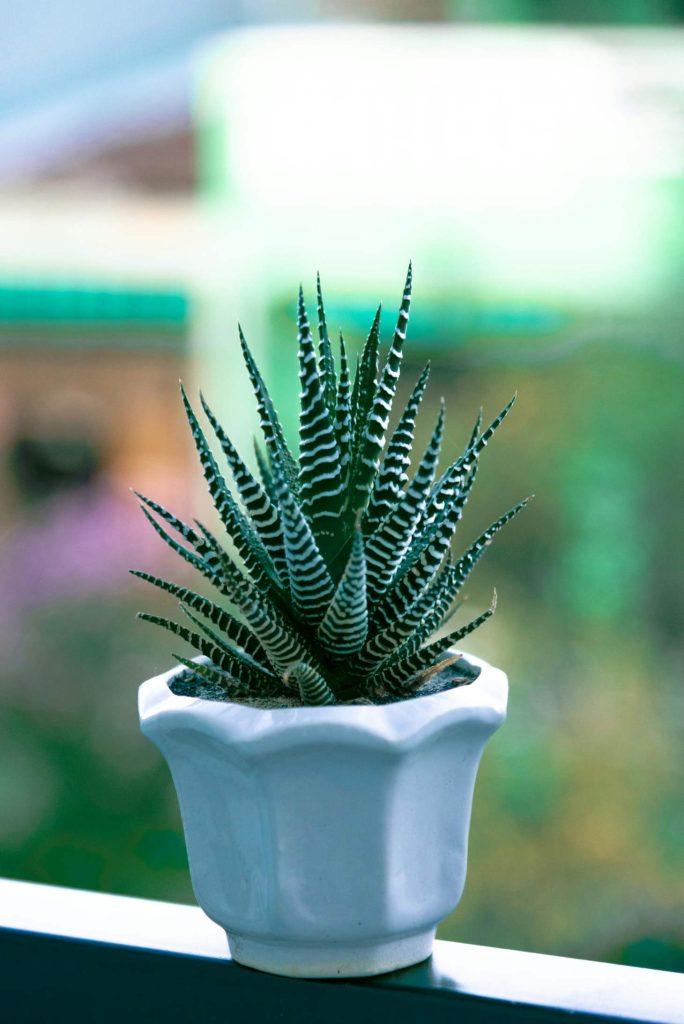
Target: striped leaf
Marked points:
234	585
461	570
487	434
387	547
249	547
321	487
326	363
365	385
270	424
186	532
410	627
228	649
231	577
398	672
455	475
343	416
439	608
265	474
446	506
211	674
355	399
231	581
452	479
311	586
426	556
258	505
238	634
374	426
236	667
201	562
345	626
475	432
233	689
410	688
391	479
283	647
310	684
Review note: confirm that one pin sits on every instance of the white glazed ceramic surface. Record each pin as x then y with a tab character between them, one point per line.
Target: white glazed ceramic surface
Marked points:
327	841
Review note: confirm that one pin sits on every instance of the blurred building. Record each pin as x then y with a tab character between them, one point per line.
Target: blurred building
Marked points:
94	328
534	174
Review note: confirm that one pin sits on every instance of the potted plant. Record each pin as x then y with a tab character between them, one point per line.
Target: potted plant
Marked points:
323	746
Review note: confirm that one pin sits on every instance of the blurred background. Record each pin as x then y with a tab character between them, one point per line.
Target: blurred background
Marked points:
167	167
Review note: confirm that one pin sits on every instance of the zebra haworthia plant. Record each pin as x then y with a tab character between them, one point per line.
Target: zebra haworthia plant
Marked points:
344	568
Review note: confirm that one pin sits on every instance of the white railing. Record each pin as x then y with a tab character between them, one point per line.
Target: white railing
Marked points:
81	956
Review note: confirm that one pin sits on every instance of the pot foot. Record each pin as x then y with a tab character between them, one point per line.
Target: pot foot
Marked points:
332	960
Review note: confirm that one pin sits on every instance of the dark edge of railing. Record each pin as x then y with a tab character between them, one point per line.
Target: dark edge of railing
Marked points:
69	954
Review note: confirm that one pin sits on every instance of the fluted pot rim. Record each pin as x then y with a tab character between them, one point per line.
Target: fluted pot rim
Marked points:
402	724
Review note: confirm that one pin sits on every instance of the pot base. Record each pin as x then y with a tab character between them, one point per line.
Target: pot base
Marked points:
335	960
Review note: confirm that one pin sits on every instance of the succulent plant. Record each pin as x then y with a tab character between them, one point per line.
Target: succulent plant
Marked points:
345	568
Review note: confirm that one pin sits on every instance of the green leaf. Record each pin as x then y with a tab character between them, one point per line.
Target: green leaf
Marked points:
343	416
487	434
276	637
439	609
249	547
232	582
326	363
426	555
265	474
234	585
270	424
231	577
233	689
389	484
311	586
373	427
233	653
212	674
345	626
263	514
413	626
461	570
398	672
217	654
203	562
310	684
452	479
282	645
365	384
238	634
386	548
444	512
186	532
321	488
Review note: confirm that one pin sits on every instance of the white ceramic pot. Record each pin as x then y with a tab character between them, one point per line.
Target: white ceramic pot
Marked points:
327	841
